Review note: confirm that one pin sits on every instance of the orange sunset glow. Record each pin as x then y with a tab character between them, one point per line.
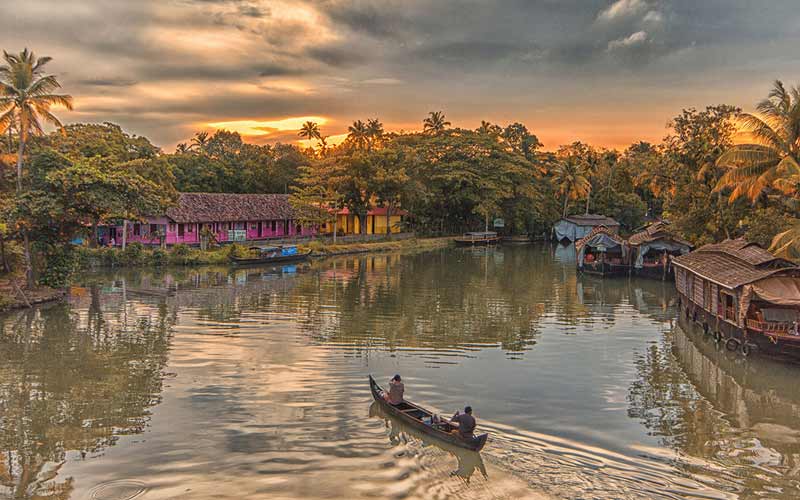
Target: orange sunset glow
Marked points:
604	72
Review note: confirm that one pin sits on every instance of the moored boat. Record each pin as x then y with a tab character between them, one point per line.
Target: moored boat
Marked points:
477	238
415	416
652	250
602	253
271	255
517	239
742	295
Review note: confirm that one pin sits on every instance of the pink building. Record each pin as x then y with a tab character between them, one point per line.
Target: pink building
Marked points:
230	217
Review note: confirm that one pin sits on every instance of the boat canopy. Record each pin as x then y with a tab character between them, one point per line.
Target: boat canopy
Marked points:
660	245
780	290
600	239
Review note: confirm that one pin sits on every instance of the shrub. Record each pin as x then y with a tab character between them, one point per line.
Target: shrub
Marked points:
159	257
132	255
61	262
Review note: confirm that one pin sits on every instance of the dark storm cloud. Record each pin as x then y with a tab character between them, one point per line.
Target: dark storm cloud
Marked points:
115	55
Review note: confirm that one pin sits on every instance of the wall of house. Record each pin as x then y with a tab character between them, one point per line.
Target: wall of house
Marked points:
189	233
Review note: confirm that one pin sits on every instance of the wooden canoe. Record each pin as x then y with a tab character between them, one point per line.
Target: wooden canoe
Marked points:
279	259
413	415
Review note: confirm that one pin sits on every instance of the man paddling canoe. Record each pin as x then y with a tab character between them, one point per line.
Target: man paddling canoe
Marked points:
396	390
464	423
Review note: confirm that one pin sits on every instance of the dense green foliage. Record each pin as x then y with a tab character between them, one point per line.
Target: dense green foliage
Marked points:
61	185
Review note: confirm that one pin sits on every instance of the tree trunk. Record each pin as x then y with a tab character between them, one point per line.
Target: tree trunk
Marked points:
388	221
486	222
566	201
335	229
124	233
588	197
3	257
26	240
362	221
95	236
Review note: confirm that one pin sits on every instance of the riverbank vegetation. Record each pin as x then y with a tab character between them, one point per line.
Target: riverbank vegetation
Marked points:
717	173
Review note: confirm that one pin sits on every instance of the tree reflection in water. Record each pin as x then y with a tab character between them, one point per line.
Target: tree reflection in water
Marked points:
707	403
73	384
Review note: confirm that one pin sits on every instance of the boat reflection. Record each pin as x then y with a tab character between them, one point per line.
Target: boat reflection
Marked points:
468	461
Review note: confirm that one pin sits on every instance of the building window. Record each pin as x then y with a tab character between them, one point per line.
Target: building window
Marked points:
137	229
153	228
189	228
172	228
298	229
274	226
180	229
285	227
253	226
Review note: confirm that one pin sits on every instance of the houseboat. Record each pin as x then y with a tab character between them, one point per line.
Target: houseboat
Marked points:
574	227
742	295
653	248
603	253
477	238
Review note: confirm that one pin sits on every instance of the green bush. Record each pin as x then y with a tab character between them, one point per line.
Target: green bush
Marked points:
159	257
61	263
132	255
763	224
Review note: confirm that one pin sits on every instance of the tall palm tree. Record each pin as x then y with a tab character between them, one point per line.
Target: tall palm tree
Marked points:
772	160
310	131
200	141
26	95
358	134
435	123
571	181
374	132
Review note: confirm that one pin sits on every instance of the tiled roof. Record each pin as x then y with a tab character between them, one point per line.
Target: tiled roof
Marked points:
591	220
733	263
656	231
228	207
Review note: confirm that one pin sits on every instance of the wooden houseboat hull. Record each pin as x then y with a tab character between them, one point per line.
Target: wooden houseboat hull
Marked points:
605	270
744	340
655	272
466	242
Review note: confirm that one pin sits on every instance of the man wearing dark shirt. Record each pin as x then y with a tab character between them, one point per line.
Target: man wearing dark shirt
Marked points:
464	423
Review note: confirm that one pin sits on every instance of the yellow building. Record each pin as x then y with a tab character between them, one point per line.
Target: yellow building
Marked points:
349	223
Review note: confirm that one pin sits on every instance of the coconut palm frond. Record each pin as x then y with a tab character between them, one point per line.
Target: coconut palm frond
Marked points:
787	243
762	132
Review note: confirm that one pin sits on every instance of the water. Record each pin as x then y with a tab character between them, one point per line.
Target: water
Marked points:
251	383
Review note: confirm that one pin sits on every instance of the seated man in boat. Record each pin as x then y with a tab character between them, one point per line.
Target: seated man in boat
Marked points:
396	389
464	424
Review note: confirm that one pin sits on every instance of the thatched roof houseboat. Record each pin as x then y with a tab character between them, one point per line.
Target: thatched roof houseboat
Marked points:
575	227
602	252
741	294
652	248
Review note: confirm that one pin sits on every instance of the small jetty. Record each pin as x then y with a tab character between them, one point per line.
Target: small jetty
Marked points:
603	253
653	248
742	295
477	238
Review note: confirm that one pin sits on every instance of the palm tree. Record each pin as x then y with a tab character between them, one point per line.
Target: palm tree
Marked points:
435	123
374	131
772	160
310	131
358	134
571	181
200	141
26	95
182	148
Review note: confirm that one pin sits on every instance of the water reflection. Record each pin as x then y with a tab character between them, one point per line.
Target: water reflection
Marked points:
73	383
736	419
194	381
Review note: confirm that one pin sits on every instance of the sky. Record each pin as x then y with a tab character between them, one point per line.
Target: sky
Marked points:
604	72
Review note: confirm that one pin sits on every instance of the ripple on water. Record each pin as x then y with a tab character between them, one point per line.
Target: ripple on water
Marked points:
121	489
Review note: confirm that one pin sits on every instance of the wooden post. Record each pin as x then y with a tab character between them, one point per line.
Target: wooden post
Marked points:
335	229
124	233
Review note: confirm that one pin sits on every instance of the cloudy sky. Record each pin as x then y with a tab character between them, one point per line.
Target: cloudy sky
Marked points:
602	71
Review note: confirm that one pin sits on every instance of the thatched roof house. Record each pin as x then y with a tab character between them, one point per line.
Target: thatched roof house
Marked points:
575	227
657	237
601	239
230	207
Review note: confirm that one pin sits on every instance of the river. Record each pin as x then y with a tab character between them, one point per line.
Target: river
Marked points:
252	383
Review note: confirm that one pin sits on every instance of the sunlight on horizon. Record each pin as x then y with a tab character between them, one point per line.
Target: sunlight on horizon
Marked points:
259	128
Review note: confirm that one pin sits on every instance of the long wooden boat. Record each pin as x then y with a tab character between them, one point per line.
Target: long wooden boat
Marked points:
520	239
602	253
477	238
605	269
742	295
269	255
414	416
